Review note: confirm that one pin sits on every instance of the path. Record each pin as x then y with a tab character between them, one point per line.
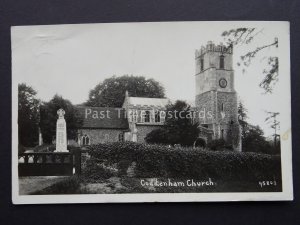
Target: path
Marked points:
28	185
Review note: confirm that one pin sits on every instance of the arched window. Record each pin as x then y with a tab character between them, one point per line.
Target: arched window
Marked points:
147	116
222	62
162	115
201	64
135	116
121	137
157	117
85	140
106	137
222	107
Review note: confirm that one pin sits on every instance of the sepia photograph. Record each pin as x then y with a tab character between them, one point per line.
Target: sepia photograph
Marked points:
151	112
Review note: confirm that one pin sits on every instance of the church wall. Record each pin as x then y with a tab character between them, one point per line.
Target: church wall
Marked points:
213	59
206	103
220	102
228	75
101	135
230	106
206	81
143	130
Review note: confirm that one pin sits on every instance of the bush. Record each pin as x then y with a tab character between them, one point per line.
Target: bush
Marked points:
44	148
123	167
180	162
51	148
157	136
219	145
95	171
21	149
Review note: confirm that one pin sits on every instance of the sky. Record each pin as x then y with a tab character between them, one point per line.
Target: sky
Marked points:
70	60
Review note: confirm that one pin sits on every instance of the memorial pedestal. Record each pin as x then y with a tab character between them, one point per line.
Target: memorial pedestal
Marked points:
61	132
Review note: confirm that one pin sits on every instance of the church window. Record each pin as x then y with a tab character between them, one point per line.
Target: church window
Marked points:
134	116
147	116
202	64
157	117
222	134
130	116
162	115
121	137
106	137
222	107
85	140
221	62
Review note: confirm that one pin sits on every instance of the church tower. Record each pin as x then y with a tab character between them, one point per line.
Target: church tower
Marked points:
216	98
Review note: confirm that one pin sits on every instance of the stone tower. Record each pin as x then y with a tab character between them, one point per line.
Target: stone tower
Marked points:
216	98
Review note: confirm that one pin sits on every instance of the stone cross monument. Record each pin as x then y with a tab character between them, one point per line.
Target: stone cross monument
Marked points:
61	132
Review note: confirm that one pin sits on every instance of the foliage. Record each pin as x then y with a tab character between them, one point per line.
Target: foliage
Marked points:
181	162
254	141
219	145
49	117
28	115
179	127
275	125
21	149
95	171
44	148
51	148
271	75
111	92
244	36
234	134
158	136
242	116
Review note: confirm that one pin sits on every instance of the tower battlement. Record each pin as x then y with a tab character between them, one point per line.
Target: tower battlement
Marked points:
211	47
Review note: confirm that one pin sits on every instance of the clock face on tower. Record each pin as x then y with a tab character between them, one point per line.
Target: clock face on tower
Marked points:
223	83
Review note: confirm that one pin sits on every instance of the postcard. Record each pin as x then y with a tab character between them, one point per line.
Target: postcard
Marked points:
151	112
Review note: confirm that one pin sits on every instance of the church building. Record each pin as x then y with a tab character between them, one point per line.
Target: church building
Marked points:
215	96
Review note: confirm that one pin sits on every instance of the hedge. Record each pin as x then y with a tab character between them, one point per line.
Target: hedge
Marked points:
180	162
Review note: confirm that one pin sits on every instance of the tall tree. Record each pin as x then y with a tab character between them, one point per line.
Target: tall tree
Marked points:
242	116
179	127
234	134
28	115
254	141
111	92
244	36
49	117
275	125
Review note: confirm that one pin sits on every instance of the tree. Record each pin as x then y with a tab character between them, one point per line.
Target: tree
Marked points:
233	135
242	117
179	127
244	36
157	136
272	118
28	115
111	92
49	118
254	141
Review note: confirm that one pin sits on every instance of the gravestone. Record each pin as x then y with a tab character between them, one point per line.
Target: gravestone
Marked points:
61	132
